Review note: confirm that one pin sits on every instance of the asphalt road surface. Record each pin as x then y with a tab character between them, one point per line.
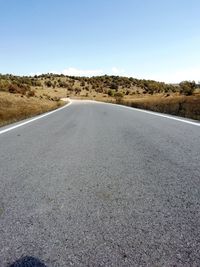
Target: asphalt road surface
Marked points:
101	185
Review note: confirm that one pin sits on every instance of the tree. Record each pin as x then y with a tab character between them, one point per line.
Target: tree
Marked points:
114	86
48	83
77	90
187	87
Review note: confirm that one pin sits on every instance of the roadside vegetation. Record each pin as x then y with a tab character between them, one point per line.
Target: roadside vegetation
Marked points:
21	97
183	106
14	108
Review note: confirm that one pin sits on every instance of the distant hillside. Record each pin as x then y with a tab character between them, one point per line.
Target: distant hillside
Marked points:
100	84
109	85
21	97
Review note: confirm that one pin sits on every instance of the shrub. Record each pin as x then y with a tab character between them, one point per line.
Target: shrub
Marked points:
77	90
127	92
54	84
15	89
118	96
99	90
4	85
110	92
30	93
187	88
82	83
48	83
62	84
114	86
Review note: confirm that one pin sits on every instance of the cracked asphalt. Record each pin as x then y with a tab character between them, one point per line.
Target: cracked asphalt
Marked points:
100	185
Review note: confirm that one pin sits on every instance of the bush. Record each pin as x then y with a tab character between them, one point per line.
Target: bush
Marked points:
187	88
54	84
62	84
118	96
30	93
110	92
114	86
82	83
4	84
15	89
77	90
48	83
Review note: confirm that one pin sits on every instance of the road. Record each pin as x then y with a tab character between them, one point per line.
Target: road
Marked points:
101	185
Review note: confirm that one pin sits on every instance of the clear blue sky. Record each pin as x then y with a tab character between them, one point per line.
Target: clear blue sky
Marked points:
157	39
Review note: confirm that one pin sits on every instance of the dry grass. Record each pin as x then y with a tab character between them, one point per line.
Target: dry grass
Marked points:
175	104
15	107
184	106
51	93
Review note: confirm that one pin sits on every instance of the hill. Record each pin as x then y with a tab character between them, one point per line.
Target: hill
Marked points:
19	94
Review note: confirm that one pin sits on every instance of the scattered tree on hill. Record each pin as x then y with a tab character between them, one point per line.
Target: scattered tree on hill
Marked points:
110	92
114	86
187	87
48	83
99	84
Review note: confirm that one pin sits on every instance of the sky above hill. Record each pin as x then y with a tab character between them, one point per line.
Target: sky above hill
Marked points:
149	39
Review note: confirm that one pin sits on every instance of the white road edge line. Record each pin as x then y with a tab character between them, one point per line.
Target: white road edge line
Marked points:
35	118
161	115
148	112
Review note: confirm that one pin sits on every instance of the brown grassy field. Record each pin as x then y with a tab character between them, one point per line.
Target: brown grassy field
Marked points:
14	107
54	94
183	106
